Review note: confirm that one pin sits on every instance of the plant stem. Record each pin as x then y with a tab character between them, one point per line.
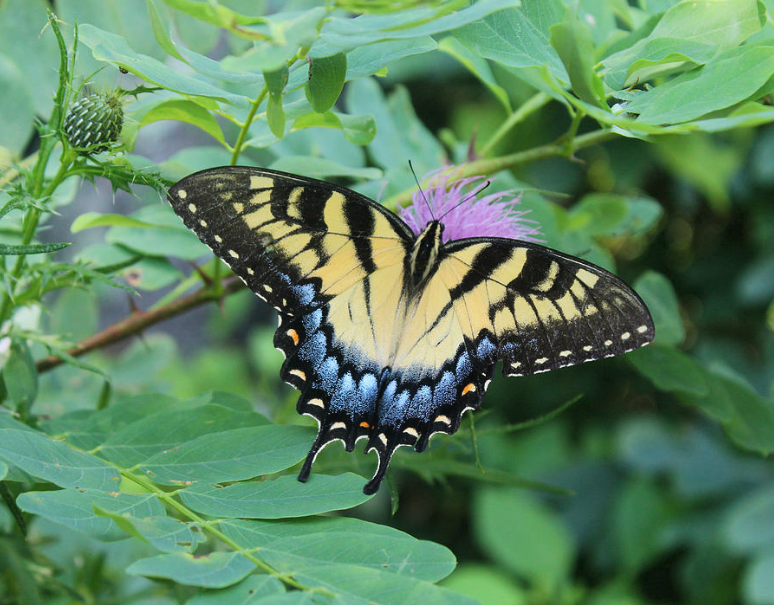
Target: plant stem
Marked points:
523	112
246	126
140	320
493	165
29	227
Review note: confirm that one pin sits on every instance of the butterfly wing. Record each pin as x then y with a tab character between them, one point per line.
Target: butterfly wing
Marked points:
538	309
332	263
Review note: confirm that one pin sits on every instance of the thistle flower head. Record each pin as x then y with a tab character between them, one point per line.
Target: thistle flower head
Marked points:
456	204
93	123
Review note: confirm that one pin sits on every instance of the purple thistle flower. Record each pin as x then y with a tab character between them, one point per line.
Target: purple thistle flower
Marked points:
463	214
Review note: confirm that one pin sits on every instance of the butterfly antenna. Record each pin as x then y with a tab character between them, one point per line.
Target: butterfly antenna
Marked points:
421	192
466	199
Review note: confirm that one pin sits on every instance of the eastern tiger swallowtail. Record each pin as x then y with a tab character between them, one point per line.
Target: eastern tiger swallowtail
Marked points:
393	336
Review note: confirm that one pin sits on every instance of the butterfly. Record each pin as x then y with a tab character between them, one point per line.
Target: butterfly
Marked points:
392	336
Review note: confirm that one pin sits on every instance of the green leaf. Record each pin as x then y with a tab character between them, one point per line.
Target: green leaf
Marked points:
249	591
575	47
163	533
729	78
359	129
688	31
6	249
291	546
175	240
661	300
275	115
89	220
597	213
149	273
112	48
21	22
215	14
757	584
287	33
230	455
749	524
326	79
322	168
346	33
697	30
394	117
214	570
74	508
280	498
3	470
524	536
670	369
512	39
180	110
168	430
485	583
86	430
160	32
54	461
17	110
20	376
641	516
368	59
353	584
276	80
654	57
751	421
477	66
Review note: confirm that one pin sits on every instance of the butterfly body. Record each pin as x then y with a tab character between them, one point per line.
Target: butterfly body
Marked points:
391	336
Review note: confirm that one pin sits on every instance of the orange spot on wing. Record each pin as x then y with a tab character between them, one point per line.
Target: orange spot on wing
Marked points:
294	335
470	387
365	425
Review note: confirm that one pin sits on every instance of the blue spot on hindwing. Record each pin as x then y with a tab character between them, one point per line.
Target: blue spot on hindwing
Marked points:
344	396
311	321
463	365
423	402
486	349
393	411
368	390
445	392
329	375
304	294
313	350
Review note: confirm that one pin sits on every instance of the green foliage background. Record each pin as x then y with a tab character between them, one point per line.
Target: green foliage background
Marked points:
161	470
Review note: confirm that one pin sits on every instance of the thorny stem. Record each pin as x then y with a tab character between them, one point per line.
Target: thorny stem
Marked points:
48	140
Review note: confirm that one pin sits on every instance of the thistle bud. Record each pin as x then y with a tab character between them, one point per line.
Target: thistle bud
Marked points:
95	121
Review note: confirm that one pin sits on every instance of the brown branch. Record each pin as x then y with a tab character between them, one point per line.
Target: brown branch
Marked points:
137	321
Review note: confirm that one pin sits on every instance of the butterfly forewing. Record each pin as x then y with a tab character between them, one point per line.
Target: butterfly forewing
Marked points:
295	242
538	309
